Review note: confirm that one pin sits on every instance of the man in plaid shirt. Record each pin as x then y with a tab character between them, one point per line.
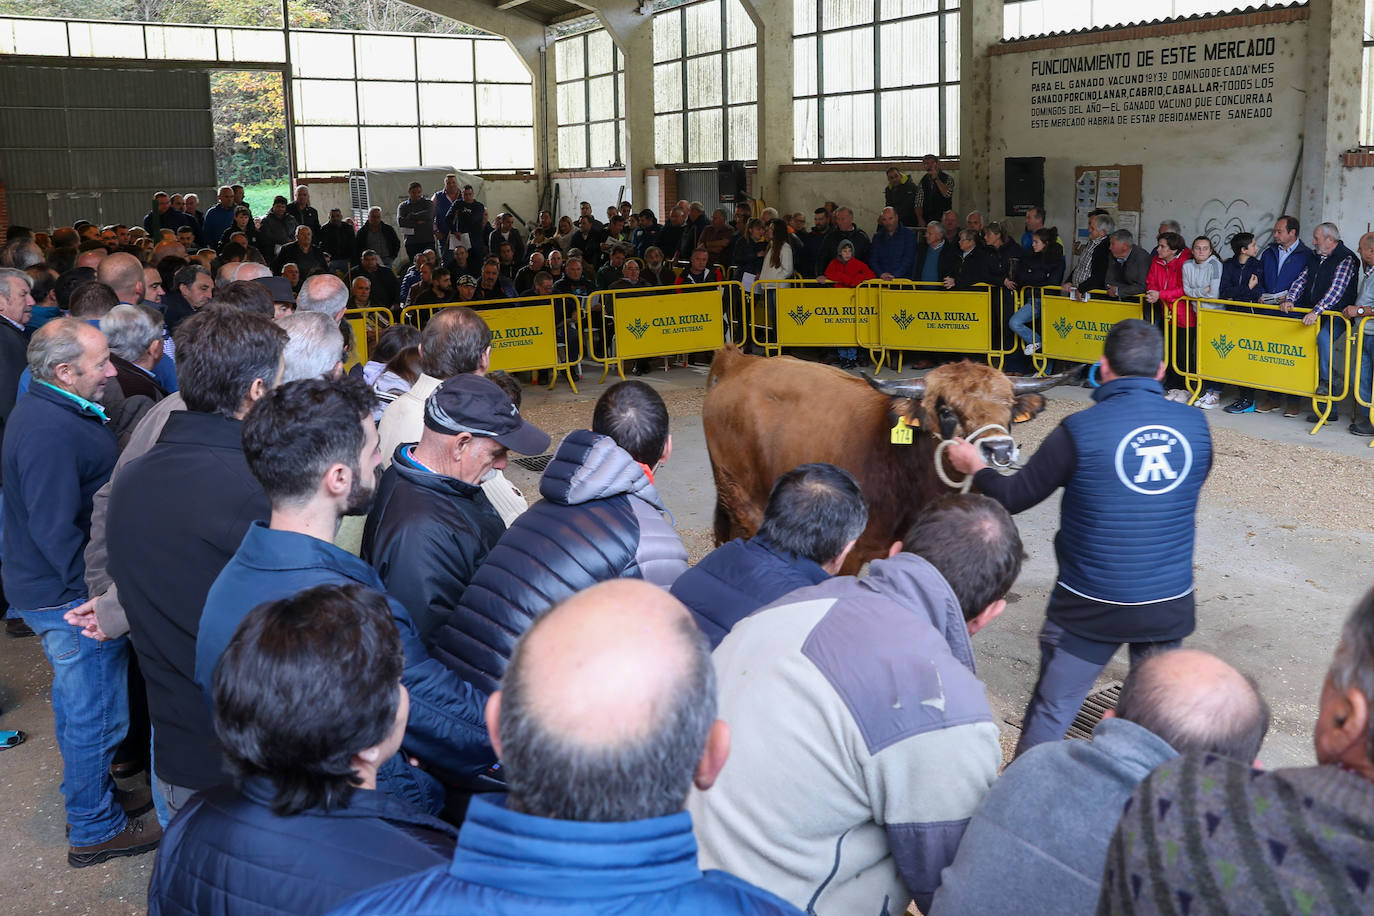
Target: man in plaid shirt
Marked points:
1325	284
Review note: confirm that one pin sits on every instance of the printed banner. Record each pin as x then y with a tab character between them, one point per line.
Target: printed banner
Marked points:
1276	354
822	316
522	336
924	319
660	325
1076	331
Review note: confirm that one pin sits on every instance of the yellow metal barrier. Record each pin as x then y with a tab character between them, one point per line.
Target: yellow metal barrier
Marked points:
1268	350
657	321
524	332
926	316
808	313
1364	352
1074	331
367	324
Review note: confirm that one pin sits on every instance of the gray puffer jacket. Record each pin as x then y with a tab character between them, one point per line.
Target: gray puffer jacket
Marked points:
601	518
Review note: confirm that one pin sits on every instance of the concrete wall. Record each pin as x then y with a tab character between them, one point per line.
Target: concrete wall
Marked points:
859	186
599	188
1217	135
519	192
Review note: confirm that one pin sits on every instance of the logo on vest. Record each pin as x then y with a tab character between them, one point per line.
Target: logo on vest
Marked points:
1153	459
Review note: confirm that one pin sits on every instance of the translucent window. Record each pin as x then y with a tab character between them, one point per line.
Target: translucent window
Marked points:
505	148
388	147
445	58
504	105
324	102
444	146
716	68
33	36
590	100
1023	18
98	39
385	57
497	63
387	103
447	103
326	149
322	54
170	42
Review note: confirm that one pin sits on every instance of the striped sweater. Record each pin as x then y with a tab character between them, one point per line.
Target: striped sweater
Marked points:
1203	834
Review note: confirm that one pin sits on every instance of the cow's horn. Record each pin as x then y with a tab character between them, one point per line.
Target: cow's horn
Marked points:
1035	385
898	388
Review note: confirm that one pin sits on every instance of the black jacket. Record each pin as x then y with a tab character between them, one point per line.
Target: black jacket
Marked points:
1131	277
227	853
425	536
315	261
971	268
307	216
902	198
338	240
386	287
948	265
14	349
164	566
1097	268
393	242
601	518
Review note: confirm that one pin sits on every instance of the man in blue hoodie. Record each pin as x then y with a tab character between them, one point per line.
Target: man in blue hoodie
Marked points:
892	254
814	515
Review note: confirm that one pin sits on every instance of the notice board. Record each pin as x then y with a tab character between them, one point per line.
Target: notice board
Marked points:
1114	188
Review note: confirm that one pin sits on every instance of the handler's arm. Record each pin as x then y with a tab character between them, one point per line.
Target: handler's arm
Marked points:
1048	469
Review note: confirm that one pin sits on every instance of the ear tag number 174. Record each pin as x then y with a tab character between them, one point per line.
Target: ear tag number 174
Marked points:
902	433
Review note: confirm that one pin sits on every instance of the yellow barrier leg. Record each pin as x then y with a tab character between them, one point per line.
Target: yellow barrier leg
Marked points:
1322	407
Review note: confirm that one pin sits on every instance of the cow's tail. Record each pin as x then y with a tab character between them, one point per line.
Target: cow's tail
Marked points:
725	360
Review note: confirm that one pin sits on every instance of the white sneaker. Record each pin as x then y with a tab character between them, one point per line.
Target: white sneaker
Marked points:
1209	400
1177	394
1032	347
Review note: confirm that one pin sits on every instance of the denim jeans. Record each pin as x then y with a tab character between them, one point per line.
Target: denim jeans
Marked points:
90	706
1366	366
1324	340
1022	323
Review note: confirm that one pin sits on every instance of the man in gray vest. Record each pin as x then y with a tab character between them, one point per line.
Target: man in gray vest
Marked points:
1131	468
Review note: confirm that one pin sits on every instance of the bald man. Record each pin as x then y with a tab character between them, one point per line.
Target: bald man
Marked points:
91	258
1045	826
124	274
605	720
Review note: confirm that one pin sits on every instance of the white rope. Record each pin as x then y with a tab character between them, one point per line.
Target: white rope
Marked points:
967	483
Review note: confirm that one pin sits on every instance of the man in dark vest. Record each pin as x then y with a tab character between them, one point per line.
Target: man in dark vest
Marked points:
1131	468
1328	285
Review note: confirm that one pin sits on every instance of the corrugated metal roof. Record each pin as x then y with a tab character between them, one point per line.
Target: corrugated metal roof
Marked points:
1238	11
546	12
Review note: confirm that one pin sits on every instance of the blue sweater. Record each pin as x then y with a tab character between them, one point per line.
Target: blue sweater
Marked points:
518	864
446	728
893	254
56	454
738	578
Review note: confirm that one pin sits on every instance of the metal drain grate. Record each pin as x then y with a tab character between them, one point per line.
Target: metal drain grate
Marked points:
1091	713
537	463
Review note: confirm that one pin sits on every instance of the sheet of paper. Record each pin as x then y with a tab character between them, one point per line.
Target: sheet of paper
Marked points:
1130	219
1108	187
1086	191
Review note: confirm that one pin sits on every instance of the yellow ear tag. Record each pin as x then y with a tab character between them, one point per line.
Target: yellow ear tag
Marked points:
901	433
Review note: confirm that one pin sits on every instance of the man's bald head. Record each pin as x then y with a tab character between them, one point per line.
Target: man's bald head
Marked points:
123	273
168	250
606	708
1196	702
91	258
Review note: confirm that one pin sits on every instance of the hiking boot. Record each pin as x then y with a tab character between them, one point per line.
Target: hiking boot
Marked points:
137	837
1267	404
1241	405
1292	409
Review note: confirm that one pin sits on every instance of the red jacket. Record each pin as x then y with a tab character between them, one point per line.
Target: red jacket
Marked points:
853	272
1167	280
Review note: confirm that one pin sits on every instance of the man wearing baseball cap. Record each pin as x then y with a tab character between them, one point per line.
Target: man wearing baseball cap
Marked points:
431	524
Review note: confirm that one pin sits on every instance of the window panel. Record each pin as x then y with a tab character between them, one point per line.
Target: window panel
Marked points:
848	60
602	93
704	139
172	43
321	54
703	81
35	36
390	147
849	129
803	17
952	48
385	57
806	139
911	121
254	45
443	59
911	52
324	102
837	14
449	146
603	137
572	103
668	36
703	27
326	149
893	9
100	39
505	148
744	132
572	147
804	67
951	147
742	66
497	63
513	105
668	88
739	28
387	103
569	63
600	52
446	103
668	138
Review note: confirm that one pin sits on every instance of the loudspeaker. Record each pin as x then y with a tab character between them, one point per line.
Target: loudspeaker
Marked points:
1025	184
732	181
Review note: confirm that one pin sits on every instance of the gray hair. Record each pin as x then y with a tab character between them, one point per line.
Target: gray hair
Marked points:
1171	225
11	273
647	776
130	331
1330	230
1353	663
322	293
22	254
1105	224
56	342
1228	722
314	345
1123	235
250	270
937	226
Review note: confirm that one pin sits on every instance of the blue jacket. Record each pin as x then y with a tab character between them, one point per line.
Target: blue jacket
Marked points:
217	219
510	863
1129	513
227	853
738	578
446	728
1278	281
601	518
56	454
1235	279
893	254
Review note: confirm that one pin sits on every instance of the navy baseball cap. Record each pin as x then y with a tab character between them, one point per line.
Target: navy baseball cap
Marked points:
477	405
279	287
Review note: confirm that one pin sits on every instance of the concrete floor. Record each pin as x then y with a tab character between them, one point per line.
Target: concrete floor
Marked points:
1271	599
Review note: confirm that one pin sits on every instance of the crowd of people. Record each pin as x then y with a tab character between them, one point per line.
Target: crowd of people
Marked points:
312	646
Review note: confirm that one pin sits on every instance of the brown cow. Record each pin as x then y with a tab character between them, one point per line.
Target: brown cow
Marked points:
764	417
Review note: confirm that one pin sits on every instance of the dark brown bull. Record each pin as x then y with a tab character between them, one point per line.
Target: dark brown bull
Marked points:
764	417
